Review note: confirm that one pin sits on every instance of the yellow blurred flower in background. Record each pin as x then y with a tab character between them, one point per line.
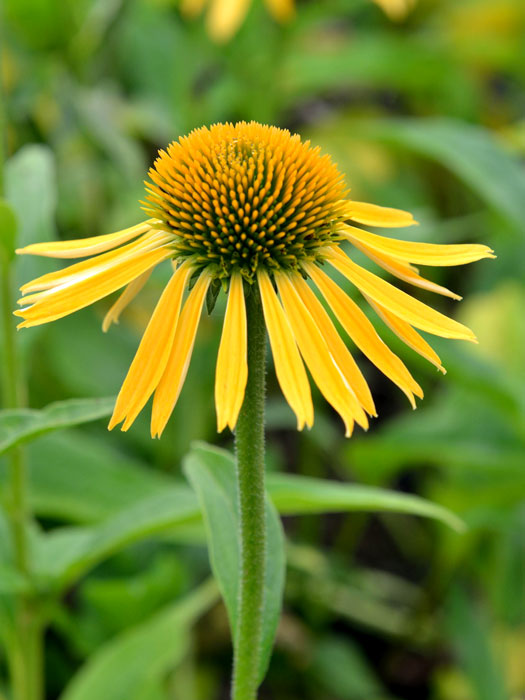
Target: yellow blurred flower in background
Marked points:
396	9
224	17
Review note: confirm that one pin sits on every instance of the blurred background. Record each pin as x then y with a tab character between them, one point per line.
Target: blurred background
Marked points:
422	105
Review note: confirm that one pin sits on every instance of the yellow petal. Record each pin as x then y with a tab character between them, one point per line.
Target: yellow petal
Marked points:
149	241
337	348
82	247
395	9
434	254
152	355
399	303
316	354
282	10
289	367
225	17
124	299
192	8
66	299
364	335
171	382
408	335
404	271
374	215
232	366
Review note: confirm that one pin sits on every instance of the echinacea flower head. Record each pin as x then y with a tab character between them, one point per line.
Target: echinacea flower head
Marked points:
252	209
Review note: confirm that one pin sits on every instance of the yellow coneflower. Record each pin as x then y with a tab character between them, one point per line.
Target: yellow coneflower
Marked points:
254	209
224	17
396	9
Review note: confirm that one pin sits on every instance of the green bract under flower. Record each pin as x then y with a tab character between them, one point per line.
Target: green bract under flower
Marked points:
246	196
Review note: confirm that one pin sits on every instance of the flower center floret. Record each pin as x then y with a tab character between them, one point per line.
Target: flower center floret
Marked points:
246	195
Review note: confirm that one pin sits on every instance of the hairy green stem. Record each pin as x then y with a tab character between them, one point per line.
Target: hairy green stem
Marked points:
249	443
17	501
25	641
26	665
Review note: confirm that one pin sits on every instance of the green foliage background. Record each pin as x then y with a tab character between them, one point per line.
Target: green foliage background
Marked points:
426	114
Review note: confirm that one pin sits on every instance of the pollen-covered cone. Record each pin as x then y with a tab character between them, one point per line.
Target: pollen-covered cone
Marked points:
254	210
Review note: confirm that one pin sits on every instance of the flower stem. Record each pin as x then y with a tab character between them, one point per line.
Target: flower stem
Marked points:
25	651
249	443
12	400
25	640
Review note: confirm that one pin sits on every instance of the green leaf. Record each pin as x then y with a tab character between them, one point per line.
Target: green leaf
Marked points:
340	667
97	110
11	580
211	472
103	481
18	426
470	633
463	431
135	503
30	184
371	598
127	667
66	554
122	601
370	59
212	294
470	152
8	228
298	495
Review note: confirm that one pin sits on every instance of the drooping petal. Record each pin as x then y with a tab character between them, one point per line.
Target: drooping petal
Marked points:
434	254
364	335
67	298
289	367
83	247
398	302
374	215
127	296
85	268
316	354
172	379
404	271
232	365
408	335
337	348
152	355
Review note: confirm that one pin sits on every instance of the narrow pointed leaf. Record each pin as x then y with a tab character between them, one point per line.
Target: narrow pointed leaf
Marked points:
470	152
23	425
66	554
125	667
299	495
211	472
